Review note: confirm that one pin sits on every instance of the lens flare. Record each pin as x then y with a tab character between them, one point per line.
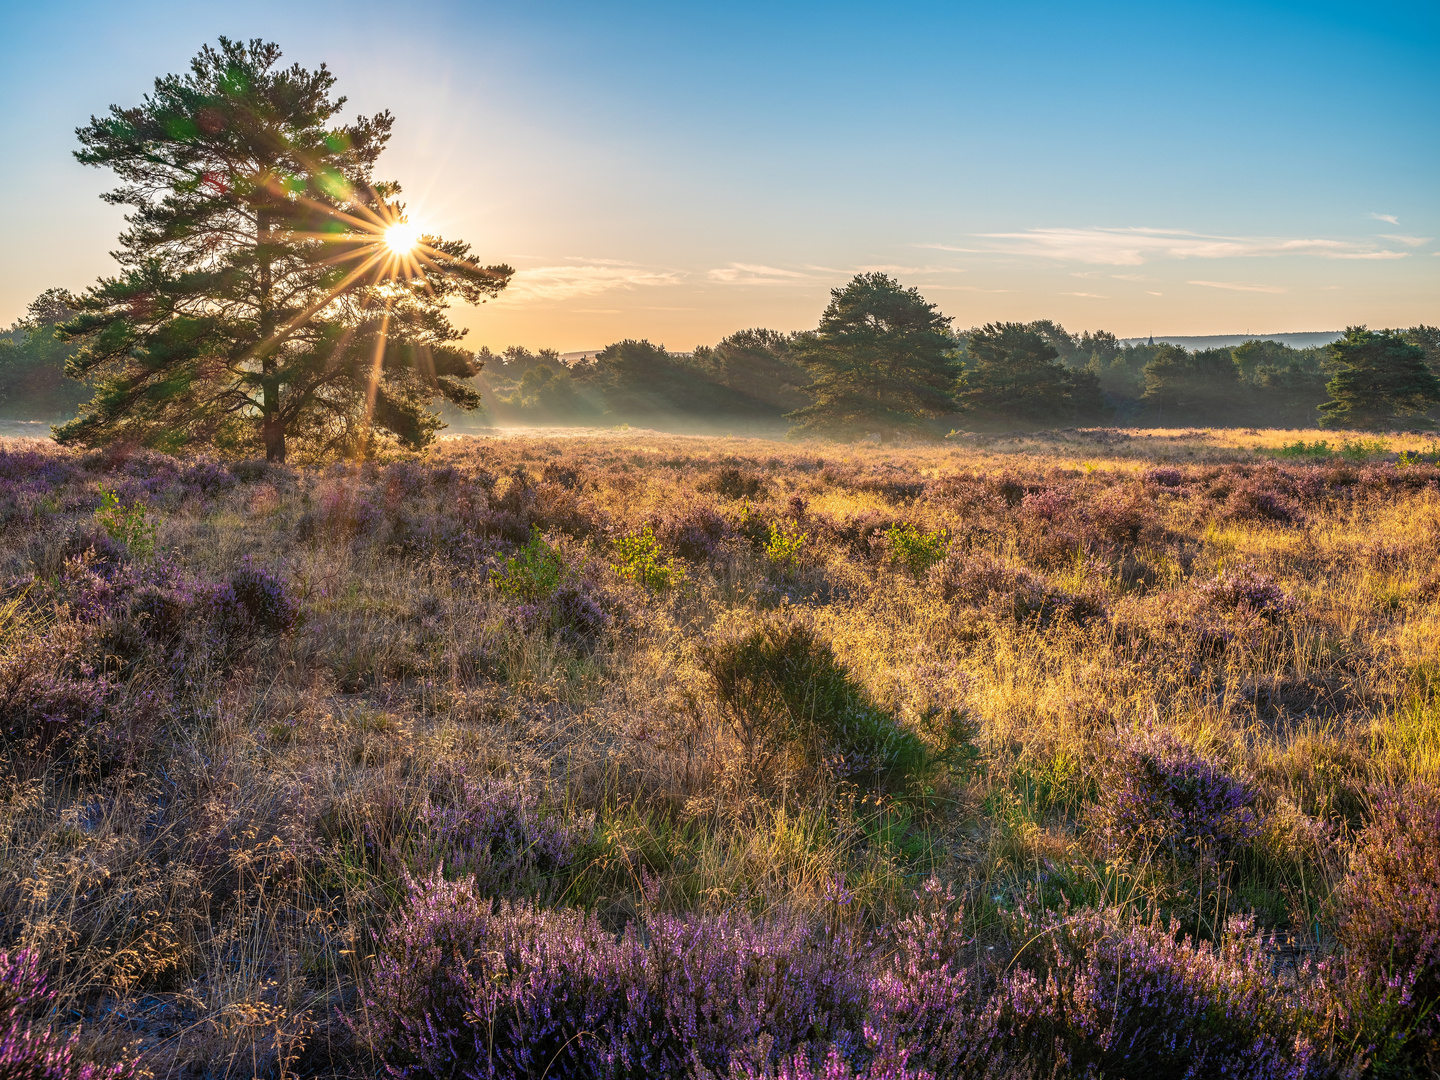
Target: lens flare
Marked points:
402	238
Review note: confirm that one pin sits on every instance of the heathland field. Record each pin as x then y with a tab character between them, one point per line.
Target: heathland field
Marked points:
1092	752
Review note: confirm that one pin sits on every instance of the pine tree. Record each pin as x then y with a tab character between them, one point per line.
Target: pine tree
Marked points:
881	360
1014	373
1382	381
266	297
1201	387
33	357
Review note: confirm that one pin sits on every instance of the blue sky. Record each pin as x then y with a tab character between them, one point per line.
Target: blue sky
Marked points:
679	171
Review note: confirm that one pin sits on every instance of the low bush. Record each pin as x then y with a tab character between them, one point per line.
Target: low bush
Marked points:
498	833
915	549
1004	591
1390	923
466	989
643	561
1244	588
1158	794
463	988
1093	993
33	1050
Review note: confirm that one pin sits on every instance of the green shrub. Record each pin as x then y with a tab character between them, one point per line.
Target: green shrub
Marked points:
915	549
126	524
533	573
785	543
642	560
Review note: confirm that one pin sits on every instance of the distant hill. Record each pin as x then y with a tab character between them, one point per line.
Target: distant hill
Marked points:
1305	340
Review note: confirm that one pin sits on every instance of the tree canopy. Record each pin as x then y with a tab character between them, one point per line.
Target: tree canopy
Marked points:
262	298
1013	371
882	359
1382	379
1200	386
33	358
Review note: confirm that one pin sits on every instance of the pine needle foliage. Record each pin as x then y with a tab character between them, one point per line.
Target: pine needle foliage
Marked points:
882	360
1382	378
1014	372
258	303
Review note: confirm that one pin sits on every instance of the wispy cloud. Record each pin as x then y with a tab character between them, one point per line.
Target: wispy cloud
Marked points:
1091	295
1240	286
754	274
588	277
1408	241
961	288
1136	246
1391	218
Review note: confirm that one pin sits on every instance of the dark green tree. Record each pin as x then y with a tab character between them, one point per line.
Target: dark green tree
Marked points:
1382	381
760	366
644	382
1282	386
269	294
33	357
1201	387
1013	373
881	360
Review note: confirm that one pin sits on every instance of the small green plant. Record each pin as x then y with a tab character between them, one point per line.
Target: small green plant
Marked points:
127	524
643	561
1320	448
785	543
533	573
1363	449
915	549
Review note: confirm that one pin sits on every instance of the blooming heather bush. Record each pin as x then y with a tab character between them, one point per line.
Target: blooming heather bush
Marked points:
734	483
1246	588
698	532
1390	915
1092	994
1260	498
1165	476
1159	793
463	988
497	832
1011	592
50	690
35	1051
265	598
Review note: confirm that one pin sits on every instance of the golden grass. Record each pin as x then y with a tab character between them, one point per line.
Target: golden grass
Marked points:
214	899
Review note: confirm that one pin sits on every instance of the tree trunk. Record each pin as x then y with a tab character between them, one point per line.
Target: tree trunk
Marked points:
272	430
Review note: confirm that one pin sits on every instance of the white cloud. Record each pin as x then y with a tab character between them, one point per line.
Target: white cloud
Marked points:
753	274
1240	286
589	277
1136	246
1408	241
1391	218
1091	295
960	288
1149	293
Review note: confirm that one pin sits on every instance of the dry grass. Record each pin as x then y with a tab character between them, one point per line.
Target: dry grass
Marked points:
216	894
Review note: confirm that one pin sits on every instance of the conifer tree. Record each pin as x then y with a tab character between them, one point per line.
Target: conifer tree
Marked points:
881	360
1014	373
268	293
1382	380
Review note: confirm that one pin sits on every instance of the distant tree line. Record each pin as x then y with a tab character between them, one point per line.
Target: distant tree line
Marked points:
883	361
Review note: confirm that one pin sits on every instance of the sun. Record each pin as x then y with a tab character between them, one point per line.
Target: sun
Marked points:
402	238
